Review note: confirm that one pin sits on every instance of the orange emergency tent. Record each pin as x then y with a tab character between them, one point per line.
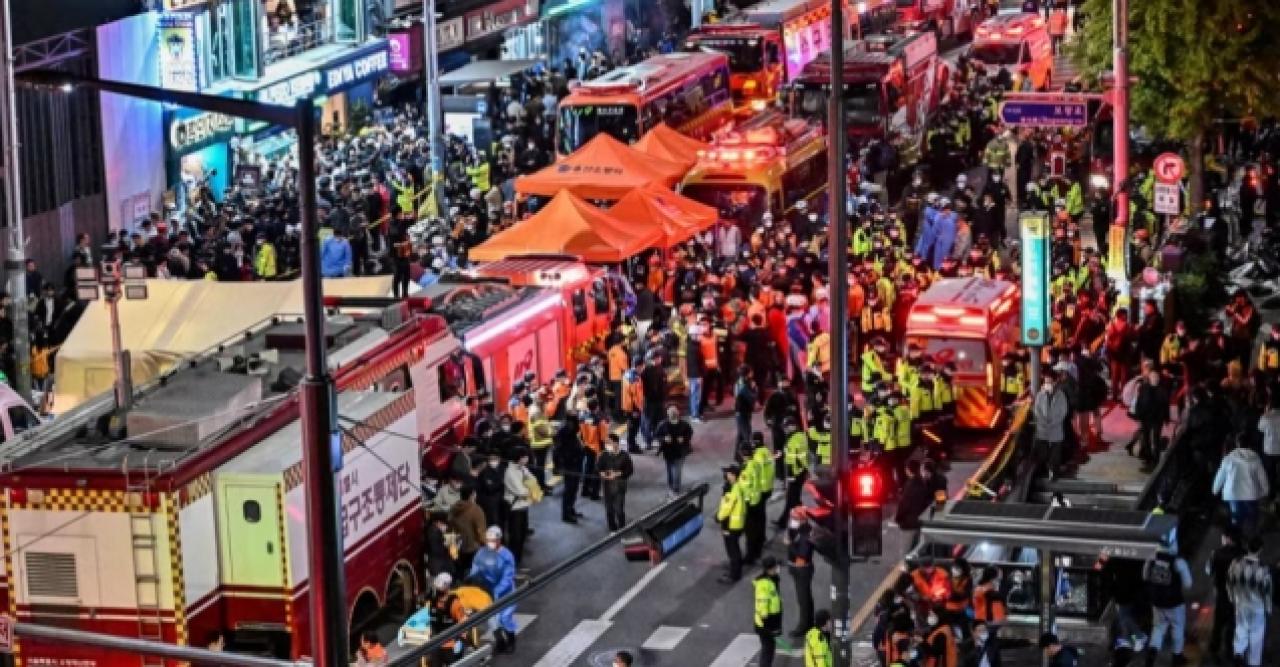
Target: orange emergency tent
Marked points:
604	168
666	143
679	217
569	225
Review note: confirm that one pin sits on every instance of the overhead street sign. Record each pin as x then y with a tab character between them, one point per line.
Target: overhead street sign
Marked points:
1168	168
1048	112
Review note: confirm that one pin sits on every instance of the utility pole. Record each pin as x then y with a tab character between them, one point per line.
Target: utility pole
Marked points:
1118	270
15	257
838	255
321	454
435	111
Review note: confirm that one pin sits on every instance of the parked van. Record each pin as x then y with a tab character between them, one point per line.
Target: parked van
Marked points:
1019	43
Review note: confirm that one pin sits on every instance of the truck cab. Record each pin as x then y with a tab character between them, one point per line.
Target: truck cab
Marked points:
756	61
1018	43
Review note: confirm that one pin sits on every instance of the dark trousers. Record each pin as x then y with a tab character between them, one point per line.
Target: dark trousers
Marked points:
591	482
517	532
795	486
1149	441
539	467
615	500
768	647
400	280
712	383
755	530
779	438
733	548
615	399
1224	625
743	421
633	431
569	495
802	577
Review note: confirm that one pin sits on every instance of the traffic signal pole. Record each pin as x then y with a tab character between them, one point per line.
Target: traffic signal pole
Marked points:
1120	138
15	265
838	256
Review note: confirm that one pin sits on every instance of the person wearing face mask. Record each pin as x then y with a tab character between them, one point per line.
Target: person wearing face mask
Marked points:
959	604
490	487
985	651
1049	412
939	648
614	469
768	610
732	517
495	568
520	486
800	564
817	642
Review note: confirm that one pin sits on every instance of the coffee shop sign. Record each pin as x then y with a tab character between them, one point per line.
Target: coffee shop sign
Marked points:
193	131
289	91
358	69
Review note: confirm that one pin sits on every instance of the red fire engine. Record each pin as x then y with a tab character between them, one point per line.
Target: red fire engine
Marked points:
184	515
947	18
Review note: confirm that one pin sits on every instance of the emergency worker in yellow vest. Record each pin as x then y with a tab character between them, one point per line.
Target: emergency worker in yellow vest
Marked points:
907	370
817	642
898	447
873	363
883	431
1269	351
732	517
860	421
819	435
1013	381
1175	345
768	611
876	317
754	481
796	460
923	394
944	398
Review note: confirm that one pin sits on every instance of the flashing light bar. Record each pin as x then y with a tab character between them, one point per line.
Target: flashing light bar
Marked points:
531	310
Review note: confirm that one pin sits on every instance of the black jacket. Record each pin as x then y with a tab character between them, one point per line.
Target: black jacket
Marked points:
675	439
620	462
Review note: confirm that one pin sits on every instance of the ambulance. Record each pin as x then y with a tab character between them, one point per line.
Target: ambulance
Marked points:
971	322
1019	43
767	163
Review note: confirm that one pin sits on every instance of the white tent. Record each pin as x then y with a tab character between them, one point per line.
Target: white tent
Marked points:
179	318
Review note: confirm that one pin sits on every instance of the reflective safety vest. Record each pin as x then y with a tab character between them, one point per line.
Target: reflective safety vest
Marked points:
765	470
876	319
872	369
796	454
1269	355
859	426
540	433
821	442
902	420
907	373
922	399
943	396
817	649
882	427
989	605
950	656
768	602
732	513
749	480
1011	381
860	244
1171	350
479	176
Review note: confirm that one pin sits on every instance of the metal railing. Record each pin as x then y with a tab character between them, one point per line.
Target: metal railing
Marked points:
289	40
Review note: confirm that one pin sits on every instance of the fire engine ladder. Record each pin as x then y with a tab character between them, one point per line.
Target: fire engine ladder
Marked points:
146	568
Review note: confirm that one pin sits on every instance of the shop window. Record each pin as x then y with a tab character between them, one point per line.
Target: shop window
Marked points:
348	21
579	306
245	39
252	511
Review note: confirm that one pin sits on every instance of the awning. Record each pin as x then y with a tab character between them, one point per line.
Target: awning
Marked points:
567	225
484	71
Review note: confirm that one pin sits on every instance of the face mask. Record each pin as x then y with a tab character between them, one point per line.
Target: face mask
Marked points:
932	620
956	573
492	544
494	464
980	637
793	524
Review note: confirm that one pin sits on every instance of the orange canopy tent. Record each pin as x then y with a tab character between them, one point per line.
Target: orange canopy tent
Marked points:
666	143
604	168
677	216
569	225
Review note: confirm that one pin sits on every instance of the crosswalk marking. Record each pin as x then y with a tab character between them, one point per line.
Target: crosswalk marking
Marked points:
632	592
665	638
743	648
523	621
567	650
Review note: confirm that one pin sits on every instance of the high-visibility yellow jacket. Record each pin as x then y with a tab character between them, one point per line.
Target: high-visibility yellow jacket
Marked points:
821	443
797	454
817	649
768	603
732	513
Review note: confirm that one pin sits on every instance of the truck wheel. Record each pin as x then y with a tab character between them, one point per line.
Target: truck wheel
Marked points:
401	592
364	615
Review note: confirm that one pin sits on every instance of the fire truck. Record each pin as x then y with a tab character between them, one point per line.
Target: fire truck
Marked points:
893	86
947	18
971	322
767	163
183	514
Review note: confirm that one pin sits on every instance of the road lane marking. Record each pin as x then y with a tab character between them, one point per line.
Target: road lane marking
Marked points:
742	649
523	621
665	638
632	592
568	649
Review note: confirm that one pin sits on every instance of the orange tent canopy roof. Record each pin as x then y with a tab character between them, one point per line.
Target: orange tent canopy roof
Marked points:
679	217
604	168
569	225
667	143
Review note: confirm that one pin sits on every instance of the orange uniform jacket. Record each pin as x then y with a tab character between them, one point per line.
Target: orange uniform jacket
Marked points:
619	362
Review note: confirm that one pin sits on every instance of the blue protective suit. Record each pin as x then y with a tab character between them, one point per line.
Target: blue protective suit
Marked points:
335	258
944	232
495	569
926	231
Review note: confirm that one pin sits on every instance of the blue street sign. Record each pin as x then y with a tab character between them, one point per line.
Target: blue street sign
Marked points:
1034	230
1045	113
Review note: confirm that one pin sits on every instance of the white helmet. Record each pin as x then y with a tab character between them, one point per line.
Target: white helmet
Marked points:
443	581
493	533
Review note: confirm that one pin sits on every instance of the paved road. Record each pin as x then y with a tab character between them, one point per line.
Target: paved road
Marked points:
676	613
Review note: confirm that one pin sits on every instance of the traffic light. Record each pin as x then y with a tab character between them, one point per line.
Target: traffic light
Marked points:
866	494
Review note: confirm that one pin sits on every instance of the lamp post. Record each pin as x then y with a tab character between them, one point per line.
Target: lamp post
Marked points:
1120	141
435	110
320	455
15	256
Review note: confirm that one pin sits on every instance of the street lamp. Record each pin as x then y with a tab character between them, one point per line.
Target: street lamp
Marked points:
327	603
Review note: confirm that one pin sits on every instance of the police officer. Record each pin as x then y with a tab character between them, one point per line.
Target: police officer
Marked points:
1012	379
902	424
873	363
732	517
796	466
819	436
817	642
757	458
800	563
768	610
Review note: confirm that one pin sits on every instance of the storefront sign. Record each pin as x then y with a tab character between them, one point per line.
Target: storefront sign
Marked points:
499	16
173	5
400	46
204	128
450	34
364	67
1035	278
360	66
179	68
